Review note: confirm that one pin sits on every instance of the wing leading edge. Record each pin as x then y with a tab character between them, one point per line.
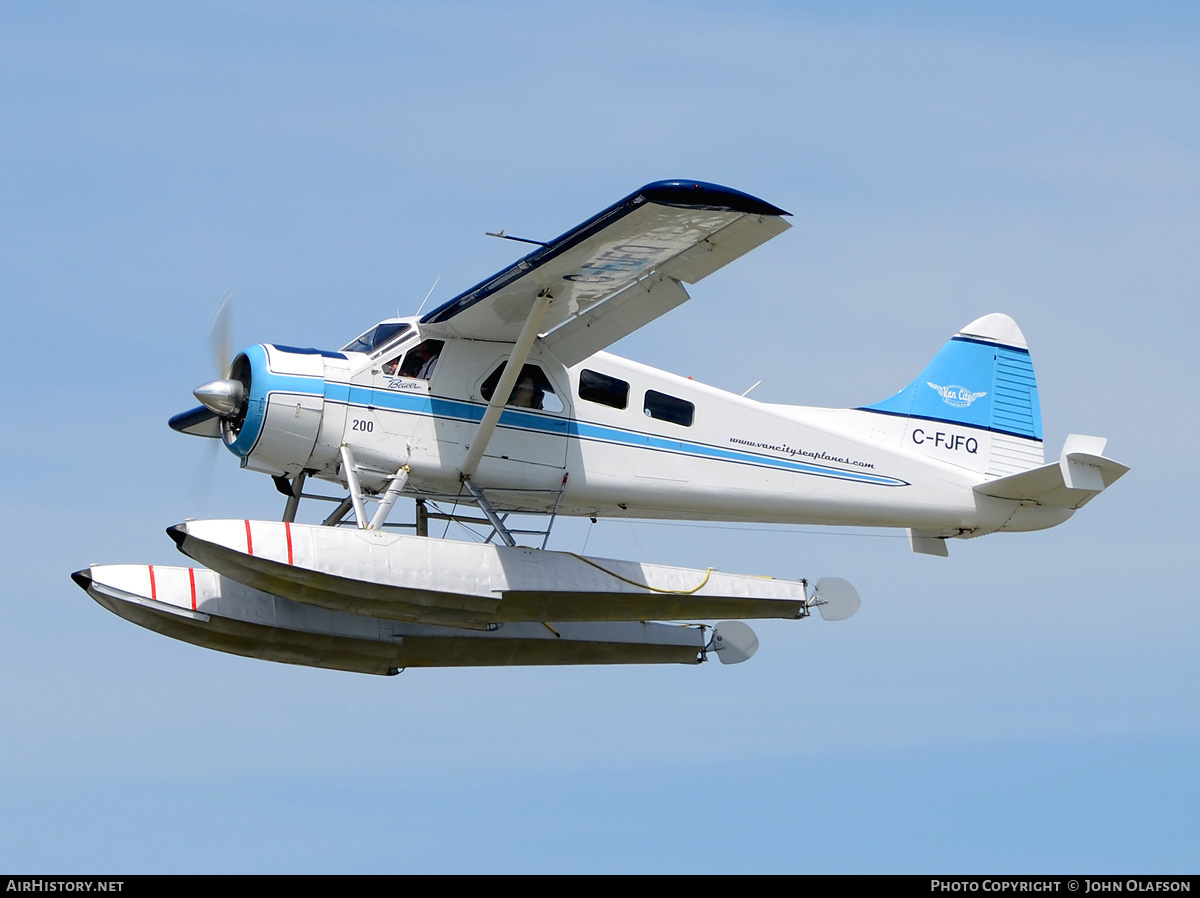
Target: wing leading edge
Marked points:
620	269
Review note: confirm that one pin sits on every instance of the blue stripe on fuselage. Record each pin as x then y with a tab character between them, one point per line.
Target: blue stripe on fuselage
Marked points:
459	410
266	382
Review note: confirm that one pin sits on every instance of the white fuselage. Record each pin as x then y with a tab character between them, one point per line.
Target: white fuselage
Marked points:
737	459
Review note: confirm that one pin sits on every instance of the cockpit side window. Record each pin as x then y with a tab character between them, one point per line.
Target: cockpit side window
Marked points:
377	336
422	359
532	389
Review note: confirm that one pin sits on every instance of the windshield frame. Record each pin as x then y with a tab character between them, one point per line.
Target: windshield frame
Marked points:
371	341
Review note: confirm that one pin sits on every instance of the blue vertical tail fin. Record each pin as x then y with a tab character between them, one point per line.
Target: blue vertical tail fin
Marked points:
980	387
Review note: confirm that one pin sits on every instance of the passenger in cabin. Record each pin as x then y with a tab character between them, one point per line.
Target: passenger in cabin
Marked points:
530	390
527	393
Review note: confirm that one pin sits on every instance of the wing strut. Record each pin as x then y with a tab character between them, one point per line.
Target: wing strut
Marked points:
520	352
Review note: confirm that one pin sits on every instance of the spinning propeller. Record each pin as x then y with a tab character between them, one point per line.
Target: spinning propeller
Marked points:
223	398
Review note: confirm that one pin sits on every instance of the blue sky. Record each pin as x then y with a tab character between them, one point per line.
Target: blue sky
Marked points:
1029	704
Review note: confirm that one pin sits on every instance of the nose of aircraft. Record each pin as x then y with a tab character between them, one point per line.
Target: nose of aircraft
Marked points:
225	397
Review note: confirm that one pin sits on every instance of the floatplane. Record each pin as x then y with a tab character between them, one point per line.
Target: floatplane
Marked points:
503	402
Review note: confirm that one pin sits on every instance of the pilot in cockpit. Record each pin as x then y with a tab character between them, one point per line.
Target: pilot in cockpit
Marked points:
420	361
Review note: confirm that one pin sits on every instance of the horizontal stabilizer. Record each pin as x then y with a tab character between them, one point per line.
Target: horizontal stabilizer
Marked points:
1071	482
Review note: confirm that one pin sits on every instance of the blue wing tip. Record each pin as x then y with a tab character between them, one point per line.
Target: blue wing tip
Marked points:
680	193
703	195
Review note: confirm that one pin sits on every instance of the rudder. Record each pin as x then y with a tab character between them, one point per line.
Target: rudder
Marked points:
980	395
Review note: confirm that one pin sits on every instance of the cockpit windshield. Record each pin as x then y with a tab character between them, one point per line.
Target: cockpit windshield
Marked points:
377	336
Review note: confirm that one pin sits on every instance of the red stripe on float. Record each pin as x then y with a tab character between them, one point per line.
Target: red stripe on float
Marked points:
192	577
288	530
153	590
249	541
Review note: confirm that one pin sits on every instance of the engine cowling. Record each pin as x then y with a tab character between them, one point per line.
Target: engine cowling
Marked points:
276	427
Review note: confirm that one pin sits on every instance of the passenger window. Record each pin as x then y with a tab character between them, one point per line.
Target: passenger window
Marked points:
597	387
422	359
668	408
532	389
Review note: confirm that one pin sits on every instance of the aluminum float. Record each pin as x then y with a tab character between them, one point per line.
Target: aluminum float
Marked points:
377	602
408	578
210	610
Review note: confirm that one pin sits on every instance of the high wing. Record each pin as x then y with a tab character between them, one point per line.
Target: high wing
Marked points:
615	272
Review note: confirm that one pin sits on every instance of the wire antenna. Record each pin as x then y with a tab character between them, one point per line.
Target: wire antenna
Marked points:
427	295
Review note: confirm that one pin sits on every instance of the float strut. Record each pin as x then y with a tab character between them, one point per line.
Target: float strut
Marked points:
338	513
395	488
293	502
490	513
352	484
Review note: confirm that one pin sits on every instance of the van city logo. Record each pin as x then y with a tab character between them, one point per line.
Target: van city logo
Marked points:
959	397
